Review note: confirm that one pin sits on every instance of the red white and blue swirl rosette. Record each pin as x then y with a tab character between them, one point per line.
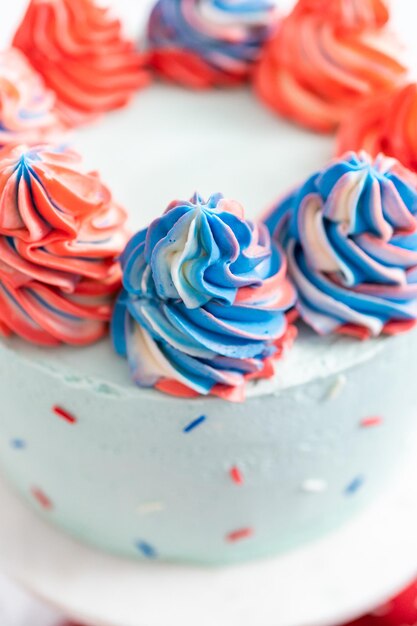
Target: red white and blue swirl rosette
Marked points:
350	234
204	302
205	43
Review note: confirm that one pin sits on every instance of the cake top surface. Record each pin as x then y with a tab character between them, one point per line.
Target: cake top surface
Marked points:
255	162
220	141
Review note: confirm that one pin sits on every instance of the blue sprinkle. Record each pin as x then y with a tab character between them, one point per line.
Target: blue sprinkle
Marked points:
355	485
195	423
18	444
147	550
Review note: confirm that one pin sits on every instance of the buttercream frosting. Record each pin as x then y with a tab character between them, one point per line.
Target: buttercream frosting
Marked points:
350	233
384	125
60	232
352	14
204	303
205	43
325	58
27	108
80	51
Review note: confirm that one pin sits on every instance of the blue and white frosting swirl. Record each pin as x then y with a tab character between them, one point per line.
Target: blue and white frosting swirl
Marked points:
225	35
350	233
204	300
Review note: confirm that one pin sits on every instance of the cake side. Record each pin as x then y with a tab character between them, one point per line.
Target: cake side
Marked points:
250	479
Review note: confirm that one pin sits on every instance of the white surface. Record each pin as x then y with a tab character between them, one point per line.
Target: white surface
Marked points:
349	573
18	608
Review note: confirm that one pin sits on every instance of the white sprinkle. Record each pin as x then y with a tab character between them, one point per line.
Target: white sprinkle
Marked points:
336	388
147	508
314	485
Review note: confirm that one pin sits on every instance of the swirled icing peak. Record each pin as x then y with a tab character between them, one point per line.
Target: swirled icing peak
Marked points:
350	233
325	58
27	108
60	233
387	125
204	301
205	43
79	49
351	14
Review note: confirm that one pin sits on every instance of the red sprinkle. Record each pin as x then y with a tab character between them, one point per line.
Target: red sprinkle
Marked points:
368	422
42	498
65	415
237	535
236	475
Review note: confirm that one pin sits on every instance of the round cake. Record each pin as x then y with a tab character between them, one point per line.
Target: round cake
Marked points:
203	479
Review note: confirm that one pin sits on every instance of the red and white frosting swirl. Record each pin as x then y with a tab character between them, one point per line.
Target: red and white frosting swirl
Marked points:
60	233
387	125
352	14
325	58
27	108
79	49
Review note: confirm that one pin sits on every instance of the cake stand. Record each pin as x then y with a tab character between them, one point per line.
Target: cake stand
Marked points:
349	573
